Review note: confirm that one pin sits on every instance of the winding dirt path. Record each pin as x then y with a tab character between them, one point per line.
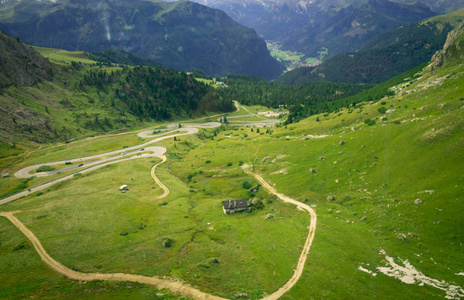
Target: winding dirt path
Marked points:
158	182
180	287
309	240
176	286
236	105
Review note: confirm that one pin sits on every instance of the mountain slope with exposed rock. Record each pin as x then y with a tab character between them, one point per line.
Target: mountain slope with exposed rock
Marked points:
181	35
453	50
341	26
384	56
44	102
20	64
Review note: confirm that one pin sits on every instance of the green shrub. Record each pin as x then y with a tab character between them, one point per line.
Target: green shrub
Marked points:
246	184
369	122
45	169
382	110
190	176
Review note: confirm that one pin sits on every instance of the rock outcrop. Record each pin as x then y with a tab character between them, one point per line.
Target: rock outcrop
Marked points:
453	50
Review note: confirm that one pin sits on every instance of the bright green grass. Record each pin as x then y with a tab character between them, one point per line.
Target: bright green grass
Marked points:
59	56
322	53
286	55
105	237
375	178
207	81
61	152
454	18
377	174
310	60
26	276
249	110
249	118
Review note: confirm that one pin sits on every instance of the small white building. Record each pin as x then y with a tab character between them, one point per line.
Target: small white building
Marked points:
123	188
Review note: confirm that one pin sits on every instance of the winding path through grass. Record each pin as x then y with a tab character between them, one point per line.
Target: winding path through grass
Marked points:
176	286
158	182
309	240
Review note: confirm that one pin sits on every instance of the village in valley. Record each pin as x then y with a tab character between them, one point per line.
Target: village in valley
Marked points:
293	59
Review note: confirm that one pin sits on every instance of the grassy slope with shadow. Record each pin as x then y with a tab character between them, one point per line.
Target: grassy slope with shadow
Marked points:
374	177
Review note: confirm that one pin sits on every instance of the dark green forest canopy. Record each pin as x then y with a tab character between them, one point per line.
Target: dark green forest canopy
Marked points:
155	93
381	58
315	97
117	56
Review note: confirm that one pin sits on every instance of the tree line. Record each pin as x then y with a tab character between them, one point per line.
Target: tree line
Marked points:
154	93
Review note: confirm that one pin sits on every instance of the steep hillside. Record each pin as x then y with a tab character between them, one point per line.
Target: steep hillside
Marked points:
20	65
78	100
308	26
121	57
384	56
385	179
341	28
453	51
181	35
441	6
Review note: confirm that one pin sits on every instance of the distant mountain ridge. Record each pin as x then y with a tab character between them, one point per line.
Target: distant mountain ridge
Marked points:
384	56
440	6
181	35
307	26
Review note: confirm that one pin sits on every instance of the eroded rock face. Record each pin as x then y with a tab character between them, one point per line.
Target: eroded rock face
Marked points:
20	64
453	50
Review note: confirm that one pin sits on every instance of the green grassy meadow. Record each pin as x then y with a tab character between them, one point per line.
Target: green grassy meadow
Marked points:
59	56
291	57
374	173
